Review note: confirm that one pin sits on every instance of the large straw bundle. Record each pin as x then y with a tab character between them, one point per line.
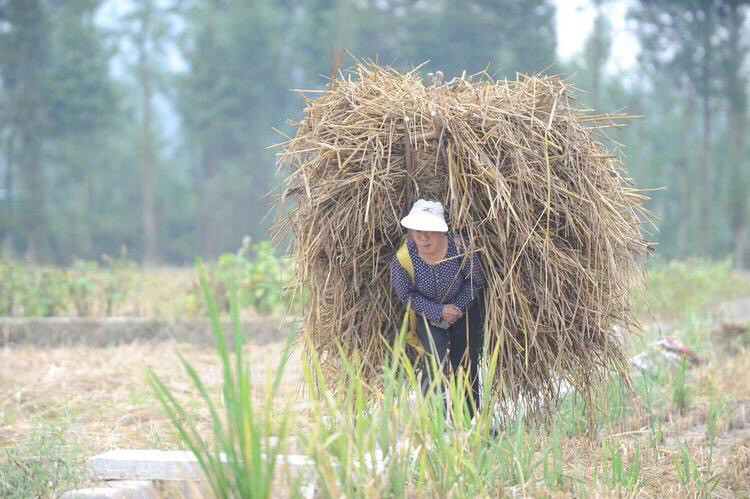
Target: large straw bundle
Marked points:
522	177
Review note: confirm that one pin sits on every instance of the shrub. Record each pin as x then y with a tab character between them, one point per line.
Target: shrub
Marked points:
261	278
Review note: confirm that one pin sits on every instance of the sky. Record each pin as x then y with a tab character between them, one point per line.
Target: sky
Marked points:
575	19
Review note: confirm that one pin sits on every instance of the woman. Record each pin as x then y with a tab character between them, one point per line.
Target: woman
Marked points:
443	286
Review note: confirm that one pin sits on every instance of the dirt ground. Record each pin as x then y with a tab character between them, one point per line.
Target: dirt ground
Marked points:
102	397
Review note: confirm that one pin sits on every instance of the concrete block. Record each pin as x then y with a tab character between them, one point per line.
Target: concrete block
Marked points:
135	464
116	490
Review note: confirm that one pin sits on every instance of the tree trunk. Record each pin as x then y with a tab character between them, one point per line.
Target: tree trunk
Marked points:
34	193
148	156
705	166
598	56
683	229
740	247
207	233
736	92
10	216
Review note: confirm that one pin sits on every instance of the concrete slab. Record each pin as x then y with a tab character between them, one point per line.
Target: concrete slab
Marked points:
116	490
139	464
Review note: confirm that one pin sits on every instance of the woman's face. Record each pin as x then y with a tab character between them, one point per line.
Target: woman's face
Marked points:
427	242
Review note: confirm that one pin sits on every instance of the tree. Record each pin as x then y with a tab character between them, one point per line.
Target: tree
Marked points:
733	16
228	101
678	37
597	51
512	36
82	106
23	59
146	30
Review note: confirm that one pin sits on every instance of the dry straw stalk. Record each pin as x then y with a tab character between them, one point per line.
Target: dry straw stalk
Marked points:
524	177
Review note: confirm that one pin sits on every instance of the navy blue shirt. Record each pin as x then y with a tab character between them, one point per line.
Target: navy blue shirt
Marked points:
439	284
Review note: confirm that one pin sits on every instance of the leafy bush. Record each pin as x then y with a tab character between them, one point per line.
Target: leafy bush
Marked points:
84	289
10	287
261	278
29	291
81	286
116	282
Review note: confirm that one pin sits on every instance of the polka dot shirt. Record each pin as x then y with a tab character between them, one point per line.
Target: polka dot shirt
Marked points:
440	284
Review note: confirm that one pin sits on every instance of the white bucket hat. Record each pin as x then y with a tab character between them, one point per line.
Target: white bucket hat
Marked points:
427	216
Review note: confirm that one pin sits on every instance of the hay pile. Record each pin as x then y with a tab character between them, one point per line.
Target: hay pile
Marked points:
524	178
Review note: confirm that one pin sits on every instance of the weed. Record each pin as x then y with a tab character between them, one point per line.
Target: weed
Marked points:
620	472
82	285
716	409
680	387
690	475
651	391
241	461
43	466
553	464
116	280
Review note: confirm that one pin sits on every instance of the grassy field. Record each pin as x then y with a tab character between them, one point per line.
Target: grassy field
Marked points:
686	434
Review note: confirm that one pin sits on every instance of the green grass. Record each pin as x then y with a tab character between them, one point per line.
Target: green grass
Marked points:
617	471
238	461
681	391
675	287
699	482
45	465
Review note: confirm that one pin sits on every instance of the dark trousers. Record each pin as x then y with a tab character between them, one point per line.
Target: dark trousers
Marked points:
457	346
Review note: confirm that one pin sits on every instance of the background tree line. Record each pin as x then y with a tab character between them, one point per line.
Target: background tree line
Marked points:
146	123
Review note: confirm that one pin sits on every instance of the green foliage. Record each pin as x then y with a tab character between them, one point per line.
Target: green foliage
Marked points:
261	278
43	466
230	98
116	281
10	278
619	471
650	390
81	93
87	288
716	410
681	391
239	461
109	286
553	461
74	133
37	292
692	477
81	285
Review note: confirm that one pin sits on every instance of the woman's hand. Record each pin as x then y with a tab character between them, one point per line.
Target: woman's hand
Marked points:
451	313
